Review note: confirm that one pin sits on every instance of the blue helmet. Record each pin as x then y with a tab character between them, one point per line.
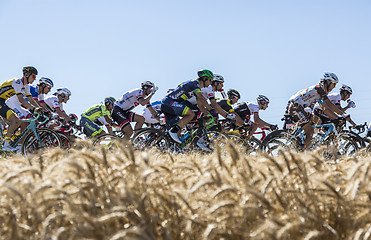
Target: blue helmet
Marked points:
47	81
330	77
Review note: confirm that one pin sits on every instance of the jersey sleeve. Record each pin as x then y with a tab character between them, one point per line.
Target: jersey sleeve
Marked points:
17	86
41	98
27	90
253	107
139	94
320	90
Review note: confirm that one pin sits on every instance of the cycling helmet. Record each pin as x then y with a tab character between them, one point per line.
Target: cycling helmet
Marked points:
232	92
73	117
346	89
64	91
109	100
218	78
47	81
262	98
330	77
148	84
30	69
205	73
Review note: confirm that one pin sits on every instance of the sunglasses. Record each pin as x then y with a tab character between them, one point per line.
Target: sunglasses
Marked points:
33	75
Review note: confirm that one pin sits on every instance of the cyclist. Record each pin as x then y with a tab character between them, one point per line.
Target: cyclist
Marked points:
309	95
368	134
55	103
209	93
13	87
226	104
88	117
39	91
173	105
245	110
122	113
336	98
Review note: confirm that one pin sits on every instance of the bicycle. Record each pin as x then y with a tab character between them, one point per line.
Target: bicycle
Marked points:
34	138
337	144
160	138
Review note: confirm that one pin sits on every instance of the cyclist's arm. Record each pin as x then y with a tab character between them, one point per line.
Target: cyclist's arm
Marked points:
259	121
44	106
109	129
108	120
145	100
202	104
24	102
153	112
330	106
62	114
218	108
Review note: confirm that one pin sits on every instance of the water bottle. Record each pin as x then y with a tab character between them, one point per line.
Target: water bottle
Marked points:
185	137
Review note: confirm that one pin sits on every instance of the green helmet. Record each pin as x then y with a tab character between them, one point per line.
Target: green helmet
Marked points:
109	100
205	73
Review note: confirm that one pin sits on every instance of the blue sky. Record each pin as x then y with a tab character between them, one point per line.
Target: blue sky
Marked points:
275	48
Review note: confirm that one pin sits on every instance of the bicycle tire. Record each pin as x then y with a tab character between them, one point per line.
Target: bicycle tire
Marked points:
279	140
149	138
108	140
48	139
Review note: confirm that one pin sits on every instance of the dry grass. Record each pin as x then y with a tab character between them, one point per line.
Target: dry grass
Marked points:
97	194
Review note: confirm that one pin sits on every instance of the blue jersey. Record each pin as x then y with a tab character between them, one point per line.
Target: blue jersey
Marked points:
34	91
185	91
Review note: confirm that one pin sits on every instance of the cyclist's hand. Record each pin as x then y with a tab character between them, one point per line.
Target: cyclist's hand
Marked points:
154	89
71	123
273	127
36	110
351	104
231	116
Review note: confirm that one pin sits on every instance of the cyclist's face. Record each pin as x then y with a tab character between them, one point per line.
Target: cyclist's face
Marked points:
110	106
263	105
234	99
31	78
331	86
47	89
219	86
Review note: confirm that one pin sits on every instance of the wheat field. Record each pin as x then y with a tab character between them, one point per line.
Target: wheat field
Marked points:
97	194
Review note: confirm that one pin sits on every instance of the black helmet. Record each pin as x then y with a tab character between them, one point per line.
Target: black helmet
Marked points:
30	69
233	92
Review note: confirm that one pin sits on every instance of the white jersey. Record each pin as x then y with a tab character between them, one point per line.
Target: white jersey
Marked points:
307	96
207	93
14	103
53	103
148	118
334	98
130	99
253	107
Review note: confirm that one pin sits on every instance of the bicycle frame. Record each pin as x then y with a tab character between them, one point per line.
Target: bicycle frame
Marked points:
299	132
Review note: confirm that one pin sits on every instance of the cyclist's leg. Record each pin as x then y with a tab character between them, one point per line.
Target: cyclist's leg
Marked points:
139	121
90	128
123	120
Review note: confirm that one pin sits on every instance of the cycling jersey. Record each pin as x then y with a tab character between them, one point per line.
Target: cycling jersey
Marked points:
12	87
185	91
35	94
96	111
226	105
53	103
148	118
244	110
14	103
309	95
130	99
207	93
334	98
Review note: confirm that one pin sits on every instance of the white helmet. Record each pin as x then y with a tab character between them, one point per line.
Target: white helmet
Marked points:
262	98
64	91
148	84
218	78
346	88
330	77
47	81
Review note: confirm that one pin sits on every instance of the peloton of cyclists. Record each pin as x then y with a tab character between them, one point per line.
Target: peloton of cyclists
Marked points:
306	97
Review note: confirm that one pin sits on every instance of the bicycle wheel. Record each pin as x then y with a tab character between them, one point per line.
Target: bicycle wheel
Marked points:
279	140
150	138
107	140
66	142
252	145
46	139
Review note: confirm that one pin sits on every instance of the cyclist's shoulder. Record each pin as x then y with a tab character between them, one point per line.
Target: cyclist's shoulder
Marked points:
11	81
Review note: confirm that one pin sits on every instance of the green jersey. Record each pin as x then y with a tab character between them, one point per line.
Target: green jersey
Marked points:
96	111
